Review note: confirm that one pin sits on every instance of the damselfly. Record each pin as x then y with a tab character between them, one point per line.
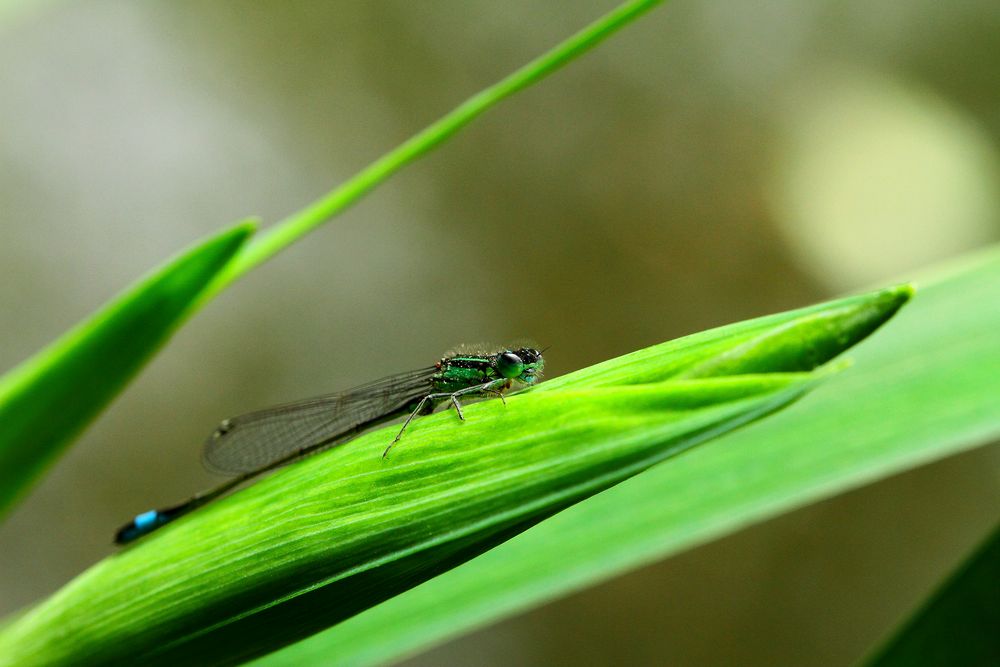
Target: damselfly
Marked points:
258	442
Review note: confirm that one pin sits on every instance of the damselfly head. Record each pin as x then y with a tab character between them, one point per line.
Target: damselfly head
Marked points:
526	361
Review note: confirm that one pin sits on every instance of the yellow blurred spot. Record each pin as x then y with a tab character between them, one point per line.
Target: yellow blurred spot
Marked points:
874	179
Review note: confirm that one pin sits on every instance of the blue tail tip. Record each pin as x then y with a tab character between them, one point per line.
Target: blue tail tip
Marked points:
146	520
141	525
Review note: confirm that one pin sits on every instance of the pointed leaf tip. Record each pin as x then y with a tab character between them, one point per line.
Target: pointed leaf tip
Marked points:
810	341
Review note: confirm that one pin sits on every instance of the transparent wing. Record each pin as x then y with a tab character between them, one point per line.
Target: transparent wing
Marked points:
268	437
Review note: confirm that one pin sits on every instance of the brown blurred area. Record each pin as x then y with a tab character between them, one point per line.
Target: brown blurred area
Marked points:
713	162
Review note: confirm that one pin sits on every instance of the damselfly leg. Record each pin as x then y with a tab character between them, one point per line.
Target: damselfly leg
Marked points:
492	387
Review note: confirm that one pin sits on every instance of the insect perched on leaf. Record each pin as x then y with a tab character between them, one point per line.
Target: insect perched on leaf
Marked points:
257	442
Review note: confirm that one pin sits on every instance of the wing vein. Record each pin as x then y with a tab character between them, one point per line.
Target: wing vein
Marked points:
262	438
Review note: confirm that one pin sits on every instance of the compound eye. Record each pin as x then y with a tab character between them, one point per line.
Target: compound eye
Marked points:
509	365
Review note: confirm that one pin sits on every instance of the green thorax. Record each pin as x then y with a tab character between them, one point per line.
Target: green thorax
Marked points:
464	371
504	367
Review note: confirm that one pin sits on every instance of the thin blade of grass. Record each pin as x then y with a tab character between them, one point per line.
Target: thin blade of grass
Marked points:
284	233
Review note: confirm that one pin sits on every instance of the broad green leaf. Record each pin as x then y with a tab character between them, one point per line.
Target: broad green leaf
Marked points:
924	388
960	624
51	397
333	535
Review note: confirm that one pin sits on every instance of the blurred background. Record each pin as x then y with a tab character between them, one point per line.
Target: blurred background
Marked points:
713	162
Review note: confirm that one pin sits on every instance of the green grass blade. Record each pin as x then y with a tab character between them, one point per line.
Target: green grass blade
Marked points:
324	539
289	230
51	397
922	389
960	624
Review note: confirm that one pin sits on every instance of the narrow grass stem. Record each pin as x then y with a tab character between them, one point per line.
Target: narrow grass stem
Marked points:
296	225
